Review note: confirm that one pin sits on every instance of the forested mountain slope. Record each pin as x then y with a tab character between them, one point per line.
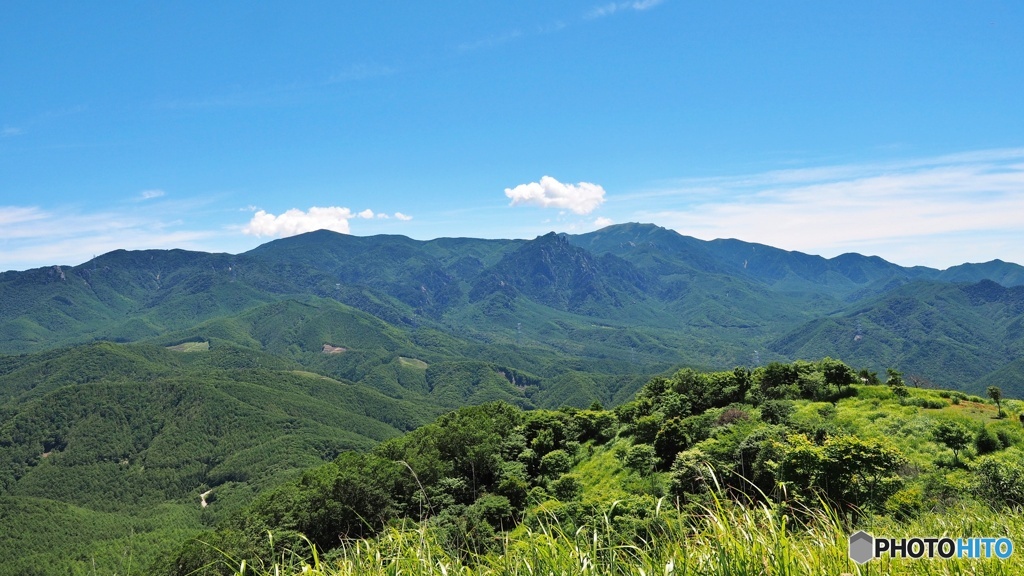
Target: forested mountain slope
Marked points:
139	385
628	298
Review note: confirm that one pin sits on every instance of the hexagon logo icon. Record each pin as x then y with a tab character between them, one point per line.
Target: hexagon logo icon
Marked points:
862	547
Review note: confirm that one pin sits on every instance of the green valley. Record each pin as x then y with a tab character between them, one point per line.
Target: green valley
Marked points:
475	397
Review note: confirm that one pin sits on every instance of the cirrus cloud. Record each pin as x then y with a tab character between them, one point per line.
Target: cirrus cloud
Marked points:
938	211
613	7
33	236
581	198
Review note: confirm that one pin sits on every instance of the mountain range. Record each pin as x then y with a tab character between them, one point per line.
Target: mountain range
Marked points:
142	385
631	298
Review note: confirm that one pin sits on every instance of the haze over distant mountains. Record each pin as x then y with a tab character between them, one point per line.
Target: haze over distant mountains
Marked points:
633	298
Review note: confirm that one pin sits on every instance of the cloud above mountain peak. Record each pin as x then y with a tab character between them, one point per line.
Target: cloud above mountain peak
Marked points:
581	198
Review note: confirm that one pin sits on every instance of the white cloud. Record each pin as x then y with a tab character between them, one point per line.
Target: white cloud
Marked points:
601	222
150	194
613	7
32	236
366	214
383	216
10	131
11	215
934	211
296	221
580	198
402	217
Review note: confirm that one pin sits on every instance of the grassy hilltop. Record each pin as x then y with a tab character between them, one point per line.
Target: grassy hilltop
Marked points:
763	472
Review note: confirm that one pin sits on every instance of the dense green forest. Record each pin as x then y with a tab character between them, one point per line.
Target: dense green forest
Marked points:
627	299
784	440
386	405
814	449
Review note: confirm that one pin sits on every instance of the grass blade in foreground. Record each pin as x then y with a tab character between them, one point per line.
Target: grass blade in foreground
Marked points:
727	539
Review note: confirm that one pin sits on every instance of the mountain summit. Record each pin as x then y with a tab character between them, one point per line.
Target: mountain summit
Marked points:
633	293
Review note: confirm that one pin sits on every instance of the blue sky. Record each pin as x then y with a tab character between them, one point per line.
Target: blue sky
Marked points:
887	128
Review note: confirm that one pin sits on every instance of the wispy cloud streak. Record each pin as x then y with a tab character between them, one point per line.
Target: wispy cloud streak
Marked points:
33	236
935	211
490	41
613	7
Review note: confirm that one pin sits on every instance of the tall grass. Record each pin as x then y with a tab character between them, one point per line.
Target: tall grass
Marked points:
720	538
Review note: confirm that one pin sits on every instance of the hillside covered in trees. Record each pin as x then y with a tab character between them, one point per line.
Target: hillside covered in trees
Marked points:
630	298
812	448
164	411
808	440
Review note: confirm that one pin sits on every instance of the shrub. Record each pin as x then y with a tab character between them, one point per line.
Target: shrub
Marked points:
986	442
1005	438
730	415
641	458
929	403
495	510
854	472
691	473
1000	481
943	489
555	463
567	488
776	411
906	504
646	428
672	439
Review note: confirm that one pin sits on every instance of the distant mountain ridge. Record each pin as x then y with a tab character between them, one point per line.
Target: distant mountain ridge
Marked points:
637	294
140	384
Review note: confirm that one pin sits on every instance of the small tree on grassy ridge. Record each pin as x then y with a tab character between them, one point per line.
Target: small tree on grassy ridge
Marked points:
837	374
896	384
777	381
997	395
849	471
952	435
